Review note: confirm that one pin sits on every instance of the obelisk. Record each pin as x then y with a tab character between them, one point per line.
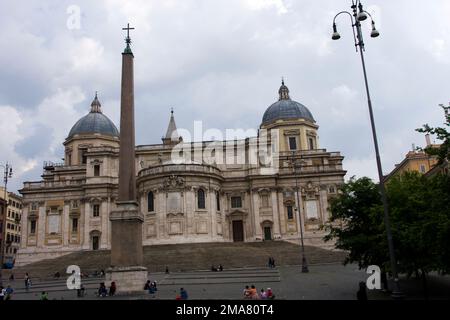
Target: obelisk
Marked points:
126	221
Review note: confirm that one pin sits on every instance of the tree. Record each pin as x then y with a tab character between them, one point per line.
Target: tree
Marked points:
420	222
442	133
357	225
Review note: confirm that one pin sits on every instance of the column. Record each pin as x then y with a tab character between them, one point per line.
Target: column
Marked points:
24	227
257	220
65	224
41	227
104	224
277	230
324	205
213	213
190	211
282	213
161	215
87	216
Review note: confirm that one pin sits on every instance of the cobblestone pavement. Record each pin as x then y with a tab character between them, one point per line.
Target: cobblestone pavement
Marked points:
323	282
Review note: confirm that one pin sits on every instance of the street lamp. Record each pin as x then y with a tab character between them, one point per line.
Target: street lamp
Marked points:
304	261
7	174
359	14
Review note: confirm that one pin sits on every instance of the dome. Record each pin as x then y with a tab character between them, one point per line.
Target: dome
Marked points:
94	122
286	109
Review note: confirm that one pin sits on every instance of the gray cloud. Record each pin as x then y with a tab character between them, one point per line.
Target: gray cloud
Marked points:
221	62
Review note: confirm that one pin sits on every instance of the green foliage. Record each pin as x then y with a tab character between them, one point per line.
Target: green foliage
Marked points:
419	210
356	223
442	133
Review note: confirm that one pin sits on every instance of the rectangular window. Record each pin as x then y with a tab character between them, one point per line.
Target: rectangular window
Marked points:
75	225
33	207
236	202
217	201
422	168
150	202
96	170
290	212
292	143
311	144
83	156
96	210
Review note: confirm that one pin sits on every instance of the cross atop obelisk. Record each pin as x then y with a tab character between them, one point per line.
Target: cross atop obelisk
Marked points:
128	39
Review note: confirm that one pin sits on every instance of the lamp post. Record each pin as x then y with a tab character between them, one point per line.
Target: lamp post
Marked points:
357	16
304	261
7	173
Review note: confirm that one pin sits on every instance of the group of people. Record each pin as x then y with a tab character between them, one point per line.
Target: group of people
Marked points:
271	262
103	291
218	268
183	295
252	293
6	293
150	287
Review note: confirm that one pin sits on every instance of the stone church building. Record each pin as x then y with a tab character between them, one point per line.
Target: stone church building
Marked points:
195	201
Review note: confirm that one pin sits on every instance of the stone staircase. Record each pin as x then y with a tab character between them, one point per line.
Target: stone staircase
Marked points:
186	257
247	275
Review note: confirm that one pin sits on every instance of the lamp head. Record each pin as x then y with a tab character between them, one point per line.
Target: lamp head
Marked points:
375	33
336	35
361	15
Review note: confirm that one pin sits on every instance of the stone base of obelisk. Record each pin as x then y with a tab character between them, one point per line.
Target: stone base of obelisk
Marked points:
129	280
126	249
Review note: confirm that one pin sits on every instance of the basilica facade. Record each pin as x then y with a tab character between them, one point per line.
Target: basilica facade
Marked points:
185	201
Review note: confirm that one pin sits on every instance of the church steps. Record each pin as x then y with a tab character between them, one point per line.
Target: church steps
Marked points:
187	258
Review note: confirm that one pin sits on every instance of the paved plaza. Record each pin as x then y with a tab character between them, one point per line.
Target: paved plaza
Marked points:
323	282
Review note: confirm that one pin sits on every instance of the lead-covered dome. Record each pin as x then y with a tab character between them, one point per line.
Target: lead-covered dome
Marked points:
286	109
94	122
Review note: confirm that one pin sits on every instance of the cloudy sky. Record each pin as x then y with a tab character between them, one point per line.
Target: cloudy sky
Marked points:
220	61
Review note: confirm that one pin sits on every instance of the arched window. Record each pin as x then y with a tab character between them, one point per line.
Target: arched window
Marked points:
150	202
201	199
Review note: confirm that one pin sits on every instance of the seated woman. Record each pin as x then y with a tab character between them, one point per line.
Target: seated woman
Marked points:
270	294
102	291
